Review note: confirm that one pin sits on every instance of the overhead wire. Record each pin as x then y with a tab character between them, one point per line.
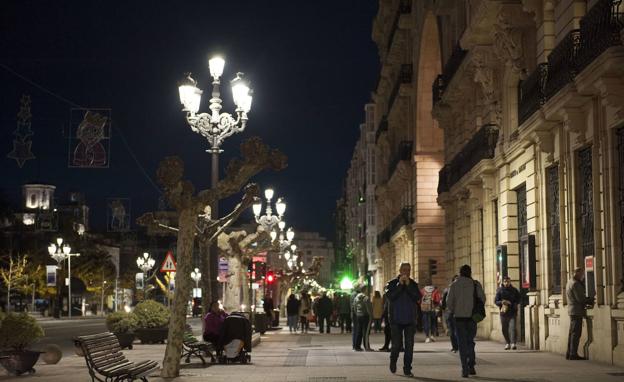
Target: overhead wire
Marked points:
74	104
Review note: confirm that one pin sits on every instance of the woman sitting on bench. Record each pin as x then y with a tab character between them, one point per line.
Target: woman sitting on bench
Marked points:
213	324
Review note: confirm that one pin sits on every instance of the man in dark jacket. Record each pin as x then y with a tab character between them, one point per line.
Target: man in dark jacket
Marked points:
403	295
507	299
577	310
324	309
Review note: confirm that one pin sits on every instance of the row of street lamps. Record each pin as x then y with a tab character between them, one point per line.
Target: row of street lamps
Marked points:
61	252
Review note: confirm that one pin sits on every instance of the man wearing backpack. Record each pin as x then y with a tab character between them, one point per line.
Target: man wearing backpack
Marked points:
403	296
363	312
460	303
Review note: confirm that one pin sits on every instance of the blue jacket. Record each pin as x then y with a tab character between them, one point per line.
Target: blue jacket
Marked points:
402	302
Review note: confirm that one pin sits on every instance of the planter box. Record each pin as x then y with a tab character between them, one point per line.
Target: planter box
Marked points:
152	335
125	340
19	362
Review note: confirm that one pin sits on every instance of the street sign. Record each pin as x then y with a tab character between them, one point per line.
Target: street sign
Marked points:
169	265
51	275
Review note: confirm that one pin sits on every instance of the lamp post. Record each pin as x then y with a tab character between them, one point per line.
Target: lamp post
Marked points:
215	126
268	221
196	276
60	252
145	263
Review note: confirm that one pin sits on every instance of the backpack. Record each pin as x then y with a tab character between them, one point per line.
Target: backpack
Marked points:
478	307
360	306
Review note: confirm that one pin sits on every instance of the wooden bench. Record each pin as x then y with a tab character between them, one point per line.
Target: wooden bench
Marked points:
104	358
192	347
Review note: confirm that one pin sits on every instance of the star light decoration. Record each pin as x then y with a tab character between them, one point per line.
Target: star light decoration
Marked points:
21	143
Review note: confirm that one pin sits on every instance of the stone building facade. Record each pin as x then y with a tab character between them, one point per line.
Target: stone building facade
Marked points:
409	143
311	245
530	98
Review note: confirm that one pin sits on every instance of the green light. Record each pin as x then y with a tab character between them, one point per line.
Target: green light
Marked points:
346	283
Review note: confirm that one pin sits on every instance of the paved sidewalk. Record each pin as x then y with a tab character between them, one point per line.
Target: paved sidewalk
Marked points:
282	356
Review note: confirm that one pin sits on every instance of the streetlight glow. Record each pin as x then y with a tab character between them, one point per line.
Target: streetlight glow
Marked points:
240	90
216	65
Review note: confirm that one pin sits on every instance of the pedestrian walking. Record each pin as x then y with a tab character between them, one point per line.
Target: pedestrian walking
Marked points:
577	310
461	301
305	309
292	311
324	310
354	332
344	313
377	311
429	307
362	311
403	296
448	317
507	299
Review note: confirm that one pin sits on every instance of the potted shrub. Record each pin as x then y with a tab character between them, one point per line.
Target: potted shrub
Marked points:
17	332
123	325
152	320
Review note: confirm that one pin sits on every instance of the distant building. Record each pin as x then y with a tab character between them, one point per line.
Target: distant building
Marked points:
310	245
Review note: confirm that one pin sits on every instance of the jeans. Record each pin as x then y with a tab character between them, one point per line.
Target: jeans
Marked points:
345	320
292	323
362	327
574	336
321	323
399	333
387	336
429	320
305	325
466	330
355	330
508	323
377	323
450	324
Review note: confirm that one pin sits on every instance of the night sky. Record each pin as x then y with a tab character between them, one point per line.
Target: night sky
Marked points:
312	65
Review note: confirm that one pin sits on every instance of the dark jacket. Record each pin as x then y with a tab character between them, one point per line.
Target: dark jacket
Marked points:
402	301
324	306
344	305
510	294
292	307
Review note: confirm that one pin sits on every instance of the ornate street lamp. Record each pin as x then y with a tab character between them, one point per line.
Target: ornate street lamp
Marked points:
196	276
145	263
215	126
268	221
60	252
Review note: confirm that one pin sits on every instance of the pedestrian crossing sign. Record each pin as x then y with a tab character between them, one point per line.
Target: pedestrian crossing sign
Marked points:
169	265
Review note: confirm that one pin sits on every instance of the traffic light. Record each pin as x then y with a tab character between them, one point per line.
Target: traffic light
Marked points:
260	270
270	277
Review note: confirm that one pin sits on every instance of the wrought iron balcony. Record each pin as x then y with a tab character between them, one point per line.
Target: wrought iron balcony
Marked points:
403	153
562	64
405	7
383	237
600	30
531	93
383	127
449	70
405	77
481	146
404	217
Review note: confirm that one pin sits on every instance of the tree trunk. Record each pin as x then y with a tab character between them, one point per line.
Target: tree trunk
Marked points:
173	352
204	255
234	284
245	288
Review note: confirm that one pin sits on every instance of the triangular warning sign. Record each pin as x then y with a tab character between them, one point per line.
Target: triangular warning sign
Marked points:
169	265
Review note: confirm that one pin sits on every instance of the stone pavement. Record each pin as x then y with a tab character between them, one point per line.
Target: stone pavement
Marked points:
282	356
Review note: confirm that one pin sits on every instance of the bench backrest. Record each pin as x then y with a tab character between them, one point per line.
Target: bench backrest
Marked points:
102	352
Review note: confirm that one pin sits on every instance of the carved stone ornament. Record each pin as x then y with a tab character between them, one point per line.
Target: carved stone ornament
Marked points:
508	41
484	76
612	93
545	140
574	121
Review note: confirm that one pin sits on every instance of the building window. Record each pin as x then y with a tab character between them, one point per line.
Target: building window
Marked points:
620	169
585	203
552	204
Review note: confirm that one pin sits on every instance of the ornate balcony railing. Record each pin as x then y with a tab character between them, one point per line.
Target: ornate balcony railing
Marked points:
562	64
383	126
481	146
449	70
600	30
531	92
405	77
405	217
405	6
403	153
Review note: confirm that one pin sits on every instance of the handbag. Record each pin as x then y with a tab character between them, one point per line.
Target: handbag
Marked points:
478	307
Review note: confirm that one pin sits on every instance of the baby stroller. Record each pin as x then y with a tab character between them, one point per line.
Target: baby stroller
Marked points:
236	340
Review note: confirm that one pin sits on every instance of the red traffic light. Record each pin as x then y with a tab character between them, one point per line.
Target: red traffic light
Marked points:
270	277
